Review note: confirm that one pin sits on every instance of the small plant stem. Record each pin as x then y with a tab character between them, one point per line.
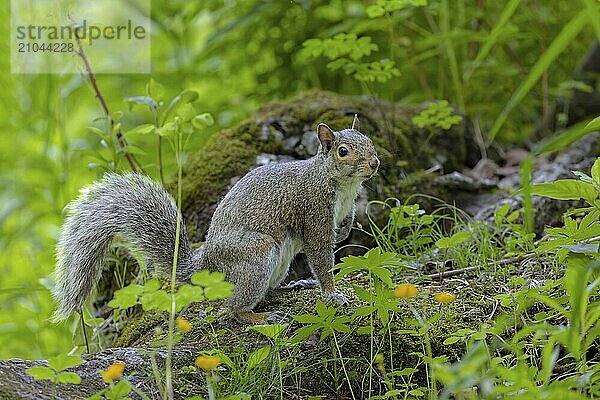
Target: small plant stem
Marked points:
100	97
155	372
337	346
280	372
391	345
431	381
209	387
168	362
85	338
160	161
170	340
372	343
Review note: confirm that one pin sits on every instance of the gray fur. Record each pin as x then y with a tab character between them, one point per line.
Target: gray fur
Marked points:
131	206
270	215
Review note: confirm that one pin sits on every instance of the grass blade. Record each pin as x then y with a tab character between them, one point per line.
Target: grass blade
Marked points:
592	9
560	43
508	11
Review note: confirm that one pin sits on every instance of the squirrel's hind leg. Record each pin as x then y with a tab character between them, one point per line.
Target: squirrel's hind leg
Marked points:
249	260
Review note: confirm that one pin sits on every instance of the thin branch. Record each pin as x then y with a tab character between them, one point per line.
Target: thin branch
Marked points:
120	140
504	261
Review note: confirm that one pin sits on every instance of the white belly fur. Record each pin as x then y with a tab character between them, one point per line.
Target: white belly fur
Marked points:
287	251
343	201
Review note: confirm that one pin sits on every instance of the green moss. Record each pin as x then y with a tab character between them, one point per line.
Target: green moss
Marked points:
314	358
139	329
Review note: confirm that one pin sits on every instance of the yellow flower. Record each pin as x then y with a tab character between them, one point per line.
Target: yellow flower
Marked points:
114	371
444	297
208	362
405	290
184	325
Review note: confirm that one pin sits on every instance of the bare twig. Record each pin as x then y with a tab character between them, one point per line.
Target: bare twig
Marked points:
504	261
120	140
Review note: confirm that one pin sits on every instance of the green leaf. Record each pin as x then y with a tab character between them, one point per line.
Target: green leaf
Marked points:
64	361
202	121
258	356
365	310
133	149
576	280
186	112
596	172
565	189
187	294
593	125
455	239
186	96
439	115
380	71
307	318
98	132
155	90
206	278
452	340
40	373
214	284
500	213
365	330
126	297
143	100
143	129
304	332
219	291
118	391
167	129
272	331
68	377
560	140
374	11
558	45
416	392
159	300
151	286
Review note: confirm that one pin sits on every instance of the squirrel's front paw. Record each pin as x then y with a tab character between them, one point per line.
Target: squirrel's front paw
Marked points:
335	297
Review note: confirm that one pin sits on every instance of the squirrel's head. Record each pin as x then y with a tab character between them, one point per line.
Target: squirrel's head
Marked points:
348	153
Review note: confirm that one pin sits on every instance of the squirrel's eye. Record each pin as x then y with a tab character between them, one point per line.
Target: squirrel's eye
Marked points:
343	151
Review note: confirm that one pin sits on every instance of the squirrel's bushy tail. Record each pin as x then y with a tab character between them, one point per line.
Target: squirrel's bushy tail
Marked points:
130	206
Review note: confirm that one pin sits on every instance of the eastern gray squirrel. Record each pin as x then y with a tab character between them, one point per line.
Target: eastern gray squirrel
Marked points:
270	215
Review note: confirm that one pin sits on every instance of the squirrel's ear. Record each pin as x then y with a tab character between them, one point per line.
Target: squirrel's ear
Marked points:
356	123
326	137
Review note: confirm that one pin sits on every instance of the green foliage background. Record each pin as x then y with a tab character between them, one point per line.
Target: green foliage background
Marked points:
239	55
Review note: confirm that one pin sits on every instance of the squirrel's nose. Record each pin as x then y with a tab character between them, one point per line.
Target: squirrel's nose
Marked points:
374	163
